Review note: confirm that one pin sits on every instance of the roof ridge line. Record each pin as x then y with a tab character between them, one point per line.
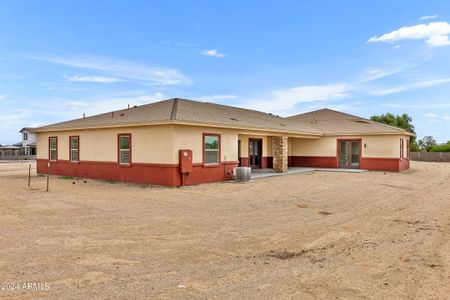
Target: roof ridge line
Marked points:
173	114
233	107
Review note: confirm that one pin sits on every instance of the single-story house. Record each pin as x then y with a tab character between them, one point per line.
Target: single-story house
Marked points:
7	152
182	142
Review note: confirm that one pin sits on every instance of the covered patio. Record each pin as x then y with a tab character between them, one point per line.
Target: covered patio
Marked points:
268	151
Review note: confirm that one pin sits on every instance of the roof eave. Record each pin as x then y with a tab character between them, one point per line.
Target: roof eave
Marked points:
368	133
177	122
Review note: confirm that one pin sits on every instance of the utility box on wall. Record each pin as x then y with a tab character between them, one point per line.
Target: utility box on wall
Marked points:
185	161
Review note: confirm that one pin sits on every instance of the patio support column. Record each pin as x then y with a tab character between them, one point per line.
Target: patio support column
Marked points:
280	154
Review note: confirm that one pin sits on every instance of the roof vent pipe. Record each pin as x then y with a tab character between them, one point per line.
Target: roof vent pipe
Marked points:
128	105
84	115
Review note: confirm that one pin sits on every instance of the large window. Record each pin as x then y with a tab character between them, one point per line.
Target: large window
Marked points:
211	149
125	149
74	148
53	148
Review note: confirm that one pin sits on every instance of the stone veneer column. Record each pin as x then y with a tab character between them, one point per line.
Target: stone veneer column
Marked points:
280	154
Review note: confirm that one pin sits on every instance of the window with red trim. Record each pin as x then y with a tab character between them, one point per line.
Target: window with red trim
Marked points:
53	148
74	148
211	149
401	148
124	149
407	148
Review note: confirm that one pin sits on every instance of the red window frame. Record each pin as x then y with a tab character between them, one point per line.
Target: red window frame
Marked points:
70	148
118	148
49	150
218	154
401	148
407	149
338	149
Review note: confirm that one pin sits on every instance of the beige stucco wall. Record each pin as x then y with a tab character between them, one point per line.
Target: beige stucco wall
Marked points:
160	144
150	144
266	144
191	137
387	146
375	146
325	146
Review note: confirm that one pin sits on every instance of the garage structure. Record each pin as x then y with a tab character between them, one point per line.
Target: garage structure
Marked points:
182	142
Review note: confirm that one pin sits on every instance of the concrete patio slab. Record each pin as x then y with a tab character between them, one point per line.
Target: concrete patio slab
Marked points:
262	173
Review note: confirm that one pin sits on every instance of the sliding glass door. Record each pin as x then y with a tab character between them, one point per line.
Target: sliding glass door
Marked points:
349	154
255	153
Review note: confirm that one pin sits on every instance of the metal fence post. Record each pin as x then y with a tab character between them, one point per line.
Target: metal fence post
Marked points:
29	174
48	175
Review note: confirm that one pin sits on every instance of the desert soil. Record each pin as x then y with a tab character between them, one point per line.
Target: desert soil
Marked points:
318	235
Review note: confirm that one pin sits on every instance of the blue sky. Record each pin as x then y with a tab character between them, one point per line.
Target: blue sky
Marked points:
60	59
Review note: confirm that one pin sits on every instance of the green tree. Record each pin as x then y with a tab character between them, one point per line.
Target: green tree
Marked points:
427	143
441	147
404	121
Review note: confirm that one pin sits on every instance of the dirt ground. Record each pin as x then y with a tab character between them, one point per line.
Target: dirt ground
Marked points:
320	235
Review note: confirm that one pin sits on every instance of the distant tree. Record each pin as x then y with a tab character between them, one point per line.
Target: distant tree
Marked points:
441	147
427	143
404	121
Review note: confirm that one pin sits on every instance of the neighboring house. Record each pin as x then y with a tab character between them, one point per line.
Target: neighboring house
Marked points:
146	144
28	141
7	152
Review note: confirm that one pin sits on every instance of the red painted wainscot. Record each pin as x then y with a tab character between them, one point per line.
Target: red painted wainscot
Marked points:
157	174
367	163
313	161
384	164
266	162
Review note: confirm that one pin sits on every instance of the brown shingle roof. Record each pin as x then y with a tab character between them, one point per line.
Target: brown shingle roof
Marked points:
333	122
187	111
183	111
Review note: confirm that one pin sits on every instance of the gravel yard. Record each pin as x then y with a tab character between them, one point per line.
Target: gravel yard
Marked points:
316	235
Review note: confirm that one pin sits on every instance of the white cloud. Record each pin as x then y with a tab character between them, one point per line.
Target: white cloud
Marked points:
10	124
3	97
212	52
17	76
39	113
284	100
213	98
37	124
76	105
151	98
428	17
447	118
104	104
435	34
430	115
98	79
412	86
418	106
438	41
376	73
121	68
344	107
